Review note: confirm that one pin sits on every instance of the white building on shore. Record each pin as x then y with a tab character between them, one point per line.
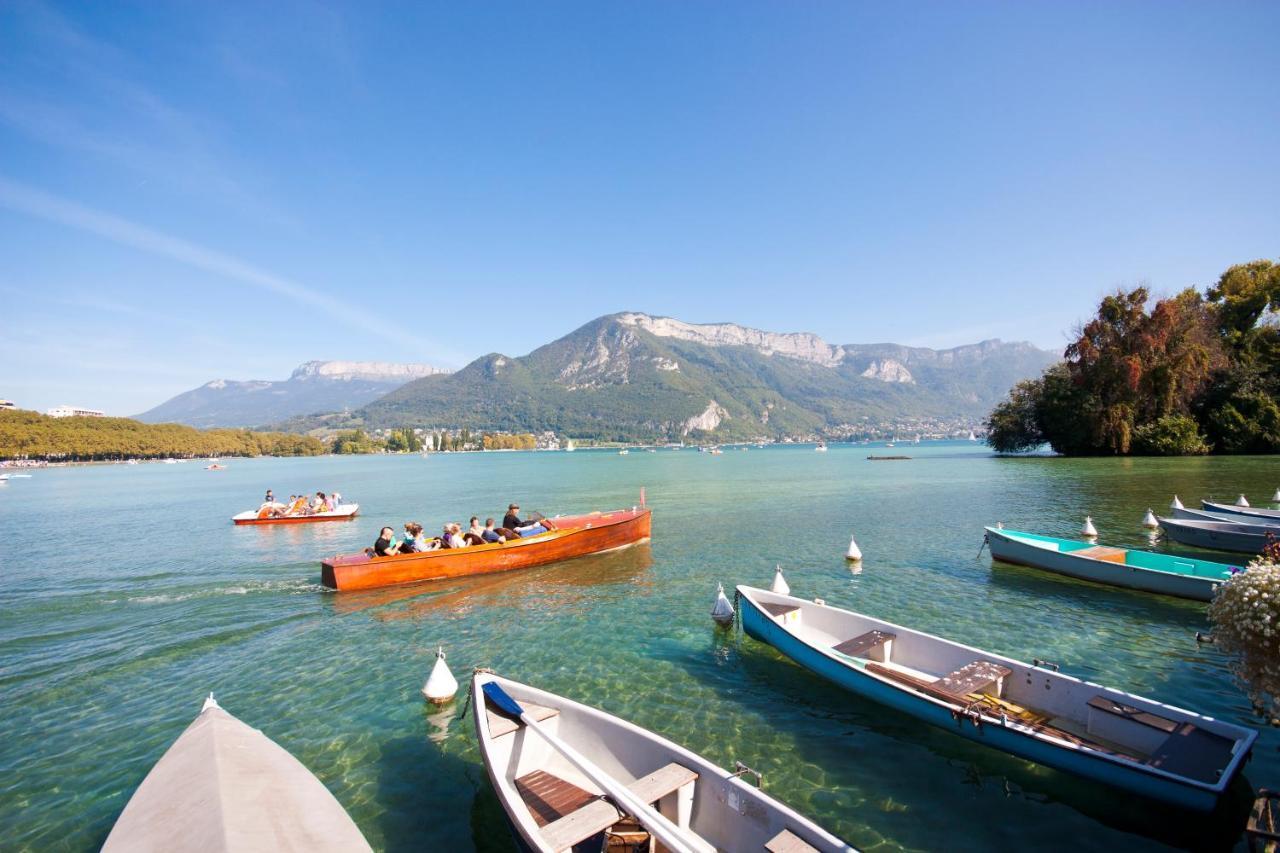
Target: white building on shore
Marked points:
74	412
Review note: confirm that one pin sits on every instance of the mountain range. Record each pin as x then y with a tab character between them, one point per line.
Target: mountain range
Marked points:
314	388
633	376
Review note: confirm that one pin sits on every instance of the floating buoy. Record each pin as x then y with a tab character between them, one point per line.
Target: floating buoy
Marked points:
441	685
1088	529
1177	504
1149	520
1275	499
722	610
1242	501
999	525
779	583
854	553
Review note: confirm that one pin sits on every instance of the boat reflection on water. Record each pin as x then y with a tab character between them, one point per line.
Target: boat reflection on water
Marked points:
559	585
306	540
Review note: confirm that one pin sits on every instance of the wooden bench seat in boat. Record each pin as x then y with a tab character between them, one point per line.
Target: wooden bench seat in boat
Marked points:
1137	715
500	725
974	677
863	644
788	842
568	814
1102	552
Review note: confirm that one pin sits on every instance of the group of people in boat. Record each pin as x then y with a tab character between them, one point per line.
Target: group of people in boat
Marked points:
453	536
302	504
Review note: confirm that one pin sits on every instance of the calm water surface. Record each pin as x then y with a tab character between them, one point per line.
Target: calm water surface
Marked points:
128	596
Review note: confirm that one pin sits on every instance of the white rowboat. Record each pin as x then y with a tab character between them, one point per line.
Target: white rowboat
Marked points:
223	786
553	805
1132	743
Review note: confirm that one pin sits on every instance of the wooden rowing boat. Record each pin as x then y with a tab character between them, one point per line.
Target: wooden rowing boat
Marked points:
223	786
1220	535
1124	567
1123	740
573	536
1262	515
344	512
553	805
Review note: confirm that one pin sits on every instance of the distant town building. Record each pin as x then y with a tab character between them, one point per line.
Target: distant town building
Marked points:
7	404
74	412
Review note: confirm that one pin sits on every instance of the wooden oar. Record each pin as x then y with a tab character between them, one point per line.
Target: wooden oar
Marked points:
667	832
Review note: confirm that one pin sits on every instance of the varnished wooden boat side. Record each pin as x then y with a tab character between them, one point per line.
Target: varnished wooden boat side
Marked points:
574	536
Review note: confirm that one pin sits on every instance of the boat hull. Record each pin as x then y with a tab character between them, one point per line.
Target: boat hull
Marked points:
575	536
338	515
1220	536
1007	549
1184	514
1095	766
1258	516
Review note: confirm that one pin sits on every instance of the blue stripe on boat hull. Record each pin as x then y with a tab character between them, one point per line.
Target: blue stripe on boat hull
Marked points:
763	628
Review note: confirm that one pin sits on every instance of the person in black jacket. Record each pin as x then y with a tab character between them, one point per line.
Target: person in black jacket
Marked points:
512	521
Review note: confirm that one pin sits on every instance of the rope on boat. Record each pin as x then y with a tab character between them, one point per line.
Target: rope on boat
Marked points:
467	702
737	610
986	540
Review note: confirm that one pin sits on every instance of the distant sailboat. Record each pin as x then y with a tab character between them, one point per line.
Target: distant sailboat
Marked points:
822	447
972	437
568	447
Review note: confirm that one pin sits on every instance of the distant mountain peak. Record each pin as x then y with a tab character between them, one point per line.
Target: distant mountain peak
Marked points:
374	371
805	346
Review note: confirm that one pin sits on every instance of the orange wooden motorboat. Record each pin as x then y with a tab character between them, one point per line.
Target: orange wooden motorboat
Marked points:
344	512
574	536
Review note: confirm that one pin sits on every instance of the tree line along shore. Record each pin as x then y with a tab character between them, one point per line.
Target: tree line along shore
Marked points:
1192	373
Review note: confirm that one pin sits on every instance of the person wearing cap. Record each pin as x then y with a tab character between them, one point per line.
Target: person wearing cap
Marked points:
512	521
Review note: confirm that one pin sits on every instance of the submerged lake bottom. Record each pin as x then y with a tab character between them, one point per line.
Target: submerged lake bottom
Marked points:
129	596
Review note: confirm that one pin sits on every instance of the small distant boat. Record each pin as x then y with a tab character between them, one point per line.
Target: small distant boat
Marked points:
344	512
822	447
170	461
972	437
1135	744
20	476
1219	535
574	536
1247	511
715	451
4	478
215	467
568	447
623	452
886	458
580	775
888	444
1123	567
224	786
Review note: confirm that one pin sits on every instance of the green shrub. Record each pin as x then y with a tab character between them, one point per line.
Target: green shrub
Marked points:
1172	435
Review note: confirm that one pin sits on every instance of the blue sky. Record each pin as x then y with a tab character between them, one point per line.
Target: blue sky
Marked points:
200	190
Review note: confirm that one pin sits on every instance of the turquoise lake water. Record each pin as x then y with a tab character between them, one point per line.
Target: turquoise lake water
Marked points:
128	596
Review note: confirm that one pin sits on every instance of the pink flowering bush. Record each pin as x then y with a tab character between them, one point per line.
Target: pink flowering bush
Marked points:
1246	621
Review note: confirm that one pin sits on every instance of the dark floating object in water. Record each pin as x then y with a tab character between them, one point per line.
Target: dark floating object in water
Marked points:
886	458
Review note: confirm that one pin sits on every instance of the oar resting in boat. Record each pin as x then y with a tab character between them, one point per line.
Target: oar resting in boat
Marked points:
566	773
223	786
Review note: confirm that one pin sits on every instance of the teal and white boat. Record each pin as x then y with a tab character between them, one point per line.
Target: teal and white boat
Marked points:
1134	744
1142	570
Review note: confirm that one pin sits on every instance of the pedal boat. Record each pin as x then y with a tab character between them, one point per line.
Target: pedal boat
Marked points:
1125	741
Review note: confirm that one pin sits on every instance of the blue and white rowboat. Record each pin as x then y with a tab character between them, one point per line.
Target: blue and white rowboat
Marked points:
1140	570
1184	514
1123	740
1261	515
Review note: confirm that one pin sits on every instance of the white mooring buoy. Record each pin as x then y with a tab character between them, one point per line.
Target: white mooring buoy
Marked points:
1088	529
1149	520
1242	501
1177	504
779	584
854	554
441	685
722	610
1275	499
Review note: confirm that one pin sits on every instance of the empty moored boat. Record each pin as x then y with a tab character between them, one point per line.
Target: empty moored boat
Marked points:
573	536
1249	511
343	512
1184	514
223	786
562	790
1125	567
1132	743
1220	535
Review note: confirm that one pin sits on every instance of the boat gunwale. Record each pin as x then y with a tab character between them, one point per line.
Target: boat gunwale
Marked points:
1240	751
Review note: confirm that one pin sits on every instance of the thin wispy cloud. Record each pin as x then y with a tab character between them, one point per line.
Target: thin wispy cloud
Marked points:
37	203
